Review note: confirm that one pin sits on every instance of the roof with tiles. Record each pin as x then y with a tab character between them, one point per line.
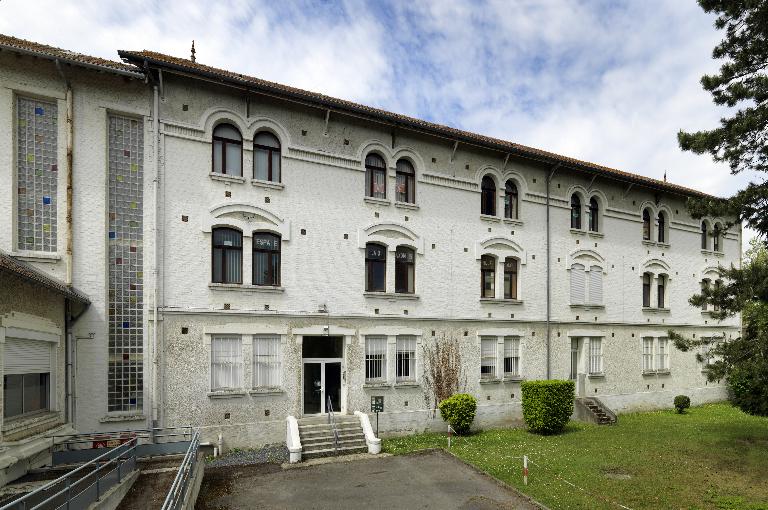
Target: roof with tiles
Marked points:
10	43
324	101
12	265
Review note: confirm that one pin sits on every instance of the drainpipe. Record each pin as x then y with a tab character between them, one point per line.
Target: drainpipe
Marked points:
549	279
153	415
70	142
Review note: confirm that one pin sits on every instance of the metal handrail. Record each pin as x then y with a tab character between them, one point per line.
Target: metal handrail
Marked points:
178	491
332	422
116	455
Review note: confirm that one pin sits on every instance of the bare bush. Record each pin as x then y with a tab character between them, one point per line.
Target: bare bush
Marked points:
442	370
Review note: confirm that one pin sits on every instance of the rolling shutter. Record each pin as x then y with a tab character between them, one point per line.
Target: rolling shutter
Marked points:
595	285
27	356
578	284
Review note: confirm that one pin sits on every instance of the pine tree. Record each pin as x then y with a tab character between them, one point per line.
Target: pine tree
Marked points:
741	140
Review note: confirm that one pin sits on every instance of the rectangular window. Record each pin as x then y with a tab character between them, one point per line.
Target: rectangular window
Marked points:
488	357
511	356
510	278
595	285
406	358
266	361
226	362
375	358
36	174
578	284
662	354
574	358
648	354
646	290
595	355
25	394
487	277
125	385
661	291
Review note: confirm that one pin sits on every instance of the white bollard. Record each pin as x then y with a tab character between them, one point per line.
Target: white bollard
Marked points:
525	470
449	437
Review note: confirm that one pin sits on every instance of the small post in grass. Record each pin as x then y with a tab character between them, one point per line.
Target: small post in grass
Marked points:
525	470
449	437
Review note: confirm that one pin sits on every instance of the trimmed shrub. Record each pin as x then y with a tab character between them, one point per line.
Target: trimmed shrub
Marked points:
459	411
682	402
547	405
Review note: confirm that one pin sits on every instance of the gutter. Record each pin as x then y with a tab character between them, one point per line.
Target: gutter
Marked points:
74	62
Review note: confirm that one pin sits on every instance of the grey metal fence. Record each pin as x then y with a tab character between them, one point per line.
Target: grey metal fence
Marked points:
82	486
184	480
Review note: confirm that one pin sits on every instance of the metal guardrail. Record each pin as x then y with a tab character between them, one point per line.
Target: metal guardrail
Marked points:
77	448
84	485
332	422
177	494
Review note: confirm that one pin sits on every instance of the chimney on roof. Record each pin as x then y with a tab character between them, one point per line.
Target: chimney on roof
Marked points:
192	56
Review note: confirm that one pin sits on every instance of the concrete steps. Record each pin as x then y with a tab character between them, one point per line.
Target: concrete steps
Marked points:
602	415
317	438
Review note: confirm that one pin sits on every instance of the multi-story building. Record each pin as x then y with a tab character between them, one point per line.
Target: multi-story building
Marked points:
250	250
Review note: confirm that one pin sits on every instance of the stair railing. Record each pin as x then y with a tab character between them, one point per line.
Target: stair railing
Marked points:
332	423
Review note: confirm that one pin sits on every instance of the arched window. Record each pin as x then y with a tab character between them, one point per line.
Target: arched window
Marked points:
227	150
405	184
575	211
405	270
717	237
705	283
488	196
487	276
704	242
646	290
594	211
375	176
227	255
661	290
578	284
510	200
646	224
266	157
375	267
266	259
662	226
510	278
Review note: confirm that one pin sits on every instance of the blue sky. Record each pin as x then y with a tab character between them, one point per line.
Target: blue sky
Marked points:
606	81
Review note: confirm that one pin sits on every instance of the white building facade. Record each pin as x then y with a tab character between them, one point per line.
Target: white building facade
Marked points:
253	251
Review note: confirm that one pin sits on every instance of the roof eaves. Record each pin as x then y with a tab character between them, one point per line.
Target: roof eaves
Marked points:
442	131
28	272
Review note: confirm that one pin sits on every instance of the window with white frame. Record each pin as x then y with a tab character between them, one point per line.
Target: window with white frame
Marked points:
595	286
595	355
226	362
27	368
488	357
662	354
586	286
406	358
648	354
375	358
578	284
511	356
266	361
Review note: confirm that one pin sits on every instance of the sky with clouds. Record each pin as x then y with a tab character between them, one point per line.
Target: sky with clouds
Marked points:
605	81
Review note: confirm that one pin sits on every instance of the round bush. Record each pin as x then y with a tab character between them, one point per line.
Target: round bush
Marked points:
547	405
459	411
682	402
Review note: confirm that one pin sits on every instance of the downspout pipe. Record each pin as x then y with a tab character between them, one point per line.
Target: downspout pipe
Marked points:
549	276
153	415
70	143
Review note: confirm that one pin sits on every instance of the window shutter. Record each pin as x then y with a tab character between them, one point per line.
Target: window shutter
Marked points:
595	285
27	357
578	281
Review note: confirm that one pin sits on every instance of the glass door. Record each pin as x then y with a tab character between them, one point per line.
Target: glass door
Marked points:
332	385
313	388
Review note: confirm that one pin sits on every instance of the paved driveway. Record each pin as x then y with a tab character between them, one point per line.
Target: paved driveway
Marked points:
429	480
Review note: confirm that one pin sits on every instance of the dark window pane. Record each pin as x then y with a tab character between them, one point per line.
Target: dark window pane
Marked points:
12	395
575	212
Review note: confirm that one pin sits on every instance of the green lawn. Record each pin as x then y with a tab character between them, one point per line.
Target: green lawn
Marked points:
713	456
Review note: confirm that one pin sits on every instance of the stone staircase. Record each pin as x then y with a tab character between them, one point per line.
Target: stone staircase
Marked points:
316	436
602	415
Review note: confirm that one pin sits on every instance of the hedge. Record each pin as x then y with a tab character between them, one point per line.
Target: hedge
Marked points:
459	411
547	405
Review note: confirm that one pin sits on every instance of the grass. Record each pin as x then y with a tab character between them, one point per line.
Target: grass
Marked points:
712	457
